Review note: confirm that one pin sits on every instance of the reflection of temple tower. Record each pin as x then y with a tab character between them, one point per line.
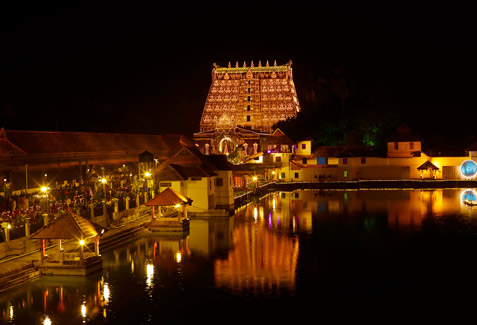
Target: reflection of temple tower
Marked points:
261	261
245	99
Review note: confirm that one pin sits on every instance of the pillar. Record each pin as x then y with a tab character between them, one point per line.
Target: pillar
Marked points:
7	233
91	211
81	255
153	217
105	213
27	227
116	205
137	200
45	219
60	248
42	250
127	202
96	245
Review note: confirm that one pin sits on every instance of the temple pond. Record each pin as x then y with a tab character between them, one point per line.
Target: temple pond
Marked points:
352	255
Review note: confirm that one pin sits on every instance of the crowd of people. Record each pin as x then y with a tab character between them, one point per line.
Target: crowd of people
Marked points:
16	208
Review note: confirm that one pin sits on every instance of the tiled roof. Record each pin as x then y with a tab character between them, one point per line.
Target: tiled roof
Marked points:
187	162
404	134
344	151
220	161
45	142
167	197
68	226
428	165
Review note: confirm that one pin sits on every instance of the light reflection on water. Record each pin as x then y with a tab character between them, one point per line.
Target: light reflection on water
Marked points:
317	244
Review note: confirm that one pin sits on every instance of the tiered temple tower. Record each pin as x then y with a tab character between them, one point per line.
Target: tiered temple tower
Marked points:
251	98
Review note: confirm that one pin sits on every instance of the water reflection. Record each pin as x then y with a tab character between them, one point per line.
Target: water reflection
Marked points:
331	241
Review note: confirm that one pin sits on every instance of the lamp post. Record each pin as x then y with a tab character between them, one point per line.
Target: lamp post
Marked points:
104	181
44	190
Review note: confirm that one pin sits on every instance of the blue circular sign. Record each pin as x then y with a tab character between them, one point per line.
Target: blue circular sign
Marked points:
469	195
468	168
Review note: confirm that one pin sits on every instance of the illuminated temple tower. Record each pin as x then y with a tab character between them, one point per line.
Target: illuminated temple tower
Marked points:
243	104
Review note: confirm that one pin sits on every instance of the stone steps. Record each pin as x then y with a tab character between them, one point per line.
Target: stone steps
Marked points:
18	276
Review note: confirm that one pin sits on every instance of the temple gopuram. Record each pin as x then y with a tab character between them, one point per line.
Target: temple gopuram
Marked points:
243	104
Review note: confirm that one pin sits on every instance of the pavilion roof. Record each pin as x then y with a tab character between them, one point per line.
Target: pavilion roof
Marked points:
69	226
167	197
428	165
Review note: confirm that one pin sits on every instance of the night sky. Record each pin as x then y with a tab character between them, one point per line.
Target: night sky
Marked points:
147	69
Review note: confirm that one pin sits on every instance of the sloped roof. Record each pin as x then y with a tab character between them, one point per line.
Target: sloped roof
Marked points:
45	142
295	165
167	197
344	151
69	226
187	162
277	138
404	134
428	165
472	147
220	161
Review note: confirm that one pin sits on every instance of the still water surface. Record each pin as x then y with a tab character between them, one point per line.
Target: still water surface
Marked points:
349	255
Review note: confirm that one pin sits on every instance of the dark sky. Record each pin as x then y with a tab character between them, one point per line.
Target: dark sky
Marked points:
147	69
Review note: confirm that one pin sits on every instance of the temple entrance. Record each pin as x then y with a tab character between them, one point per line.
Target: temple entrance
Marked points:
226	145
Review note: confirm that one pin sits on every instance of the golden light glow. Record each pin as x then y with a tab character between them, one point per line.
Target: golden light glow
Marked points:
177	206
147	174
81	242
83	310
106	292
47	321
149	273
178	257
9	226
44	189
254	178
103	180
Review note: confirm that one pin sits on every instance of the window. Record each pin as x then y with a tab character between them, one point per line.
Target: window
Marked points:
282	175
363	160
396	145
303	146
248	108
219	182
278	159
248	118
296	175
304	161
248	98
345	161
345	173
411	145
249	90
321	161
165	184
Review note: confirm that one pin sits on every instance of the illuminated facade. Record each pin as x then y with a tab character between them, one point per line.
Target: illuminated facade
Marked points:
245	102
